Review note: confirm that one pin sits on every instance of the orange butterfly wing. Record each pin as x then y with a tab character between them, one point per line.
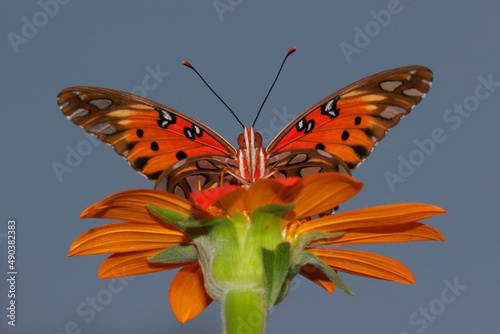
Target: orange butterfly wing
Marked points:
351	121
150	136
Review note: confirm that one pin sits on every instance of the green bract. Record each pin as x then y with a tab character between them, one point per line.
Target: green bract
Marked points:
245	253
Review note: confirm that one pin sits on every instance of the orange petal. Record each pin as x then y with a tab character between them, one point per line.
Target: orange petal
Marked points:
133	263
205	198
317	276
273	191
322	192
406	232
371	217
233	201
187	294
126	237
131	205
364	264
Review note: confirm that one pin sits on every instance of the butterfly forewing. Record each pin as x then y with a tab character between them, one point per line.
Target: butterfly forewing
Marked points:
183	155
350	122
150	136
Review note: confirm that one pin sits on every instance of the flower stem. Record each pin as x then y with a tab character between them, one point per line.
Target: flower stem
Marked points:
244	312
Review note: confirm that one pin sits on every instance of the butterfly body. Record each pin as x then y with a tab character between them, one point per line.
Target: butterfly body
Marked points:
183	155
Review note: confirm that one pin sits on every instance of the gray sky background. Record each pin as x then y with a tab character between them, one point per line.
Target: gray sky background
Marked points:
238	50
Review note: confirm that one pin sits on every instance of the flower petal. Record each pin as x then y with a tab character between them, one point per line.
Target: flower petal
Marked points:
205	198
187	293
273	191
322	192
364	264
233	201
126	237
406	232
133	263
130	205
317	276
371	217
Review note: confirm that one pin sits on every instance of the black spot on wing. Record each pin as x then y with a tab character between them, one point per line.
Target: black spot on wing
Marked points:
330	108
181	155
131	145
360	151
140	163
351	165
154	176
368	132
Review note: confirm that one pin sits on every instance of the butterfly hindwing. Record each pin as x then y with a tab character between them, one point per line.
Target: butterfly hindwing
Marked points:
150	136
193	174
305	162
350	122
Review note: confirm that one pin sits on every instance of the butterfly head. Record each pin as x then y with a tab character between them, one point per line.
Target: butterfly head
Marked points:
249	138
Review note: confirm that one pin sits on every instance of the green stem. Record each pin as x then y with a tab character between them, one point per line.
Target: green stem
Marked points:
244	312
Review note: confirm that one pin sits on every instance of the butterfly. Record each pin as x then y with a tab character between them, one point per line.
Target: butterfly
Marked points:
183	155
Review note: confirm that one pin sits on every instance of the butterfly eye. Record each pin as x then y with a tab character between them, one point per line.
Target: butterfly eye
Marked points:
258	139
241	141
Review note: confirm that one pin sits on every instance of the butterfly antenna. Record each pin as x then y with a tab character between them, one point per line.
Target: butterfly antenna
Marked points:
292	50
185	63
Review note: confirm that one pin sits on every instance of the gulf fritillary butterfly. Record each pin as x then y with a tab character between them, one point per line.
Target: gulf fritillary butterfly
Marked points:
182	155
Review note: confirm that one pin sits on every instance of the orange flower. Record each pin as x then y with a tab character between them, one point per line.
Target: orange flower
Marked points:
145	235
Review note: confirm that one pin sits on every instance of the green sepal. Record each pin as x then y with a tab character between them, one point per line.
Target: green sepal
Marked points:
265	229
268	214
192	222
176	254
306	257
284	289
192	226
170	216
224	248
276	264
306	238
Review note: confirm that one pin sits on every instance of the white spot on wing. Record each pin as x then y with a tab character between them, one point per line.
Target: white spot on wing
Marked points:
178	164
101	104
325	153
78	93
328	106
308	171
341	169
64	105
104	128
301	124
390	86
391	111
166	115
309	126
301	157
413	92
412	72
197	130
427	82
80	112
